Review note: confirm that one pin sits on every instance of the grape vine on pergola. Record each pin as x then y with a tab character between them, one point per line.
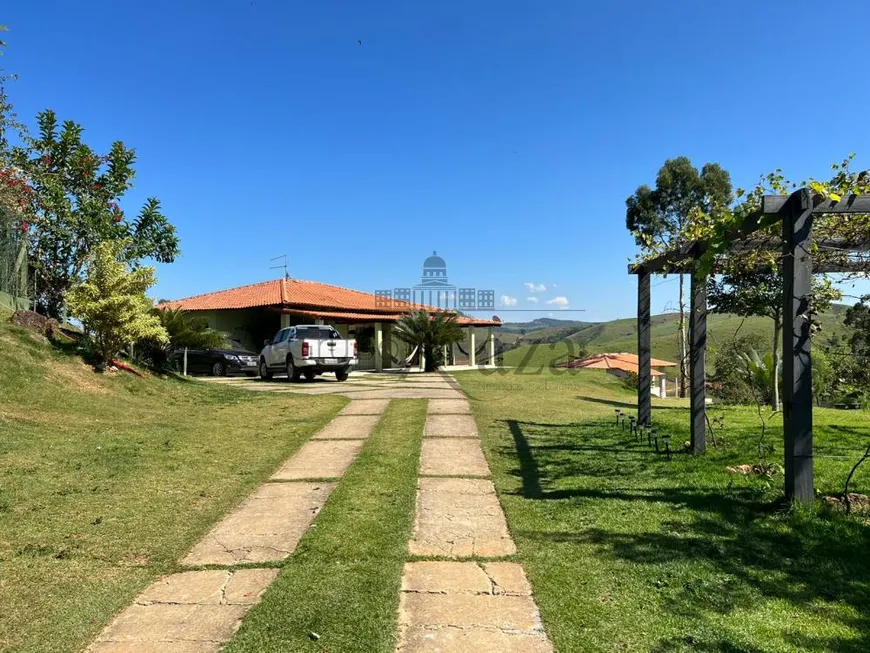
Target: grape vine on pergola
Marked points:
797	213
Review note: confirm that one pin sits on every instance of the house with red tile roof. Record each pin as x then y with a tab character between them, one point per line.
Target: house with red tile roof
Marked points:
248	315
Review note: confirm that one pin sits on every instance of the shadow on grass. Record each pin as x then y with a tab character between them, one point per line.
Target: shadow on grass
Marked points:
625	404
738	545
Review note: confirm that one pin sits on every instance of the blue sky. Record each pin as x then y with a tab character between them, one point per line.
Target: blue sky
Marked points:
505	135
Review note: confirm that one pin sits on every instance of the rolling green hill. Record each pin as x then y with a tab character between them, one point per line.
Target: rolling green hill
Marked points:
539	348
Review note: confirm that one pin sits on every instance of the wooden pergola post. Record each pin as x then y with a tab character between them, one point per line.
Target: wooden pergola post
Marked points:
697	363
644	349
797	382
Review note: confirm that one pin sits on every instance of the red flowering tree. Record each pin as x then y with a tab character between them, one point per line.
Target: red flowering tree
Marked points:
76	206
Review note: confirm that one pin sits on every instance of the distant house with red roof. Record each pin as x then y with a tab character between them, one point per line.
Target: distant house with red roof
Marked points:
248	315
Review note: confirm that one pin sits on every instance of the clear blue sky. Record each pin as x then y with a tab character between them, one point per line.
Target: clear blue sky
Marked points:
506	135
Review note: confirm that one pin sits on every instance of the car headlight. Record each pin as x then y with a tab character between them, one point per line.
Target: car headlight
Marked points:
231	357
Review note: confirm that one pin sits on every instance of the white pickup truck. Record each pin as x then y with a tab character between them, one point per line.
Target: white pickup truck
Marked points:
308	350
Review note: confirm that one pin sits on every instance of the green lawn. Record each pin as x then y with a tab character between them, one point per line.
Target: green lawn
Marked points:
629	551
343	580
106	480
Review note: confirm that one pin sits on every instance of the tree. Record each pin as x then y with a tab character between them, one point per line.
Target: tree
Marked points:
730	380
657	217
762	373
185	330
430	333
111	302
76	207
750	292
858	321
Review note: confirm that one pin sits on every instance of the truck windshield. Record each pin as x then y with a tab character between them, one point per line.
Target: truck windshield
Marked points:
316	333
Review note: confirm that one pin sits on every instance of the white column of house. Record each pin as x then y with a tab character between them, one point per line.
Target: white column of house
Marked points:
472	346
379	346
490	336
285	320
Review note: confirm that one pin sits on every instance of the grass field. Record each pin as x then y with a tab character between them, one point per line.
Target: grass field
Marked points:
621	336
106	480
628	551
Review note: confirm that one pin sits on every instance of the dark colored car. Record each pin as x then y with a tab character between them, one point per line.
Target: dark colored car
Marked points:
217	362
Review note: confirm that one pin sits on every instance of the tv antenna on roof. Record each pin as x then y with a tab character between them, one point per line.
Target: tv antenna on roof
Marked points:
282	266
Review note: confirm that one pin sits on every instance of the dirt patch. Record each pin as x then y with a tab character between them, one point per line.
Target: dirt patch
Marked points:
755	470
78	375
859	502
45	326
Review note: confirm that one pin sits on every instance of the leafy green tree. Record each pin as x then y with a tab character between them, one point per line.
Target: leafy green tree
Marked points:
430	333
730	380
749	293
825	382
657	217
111	302
858	321
76	207
185	330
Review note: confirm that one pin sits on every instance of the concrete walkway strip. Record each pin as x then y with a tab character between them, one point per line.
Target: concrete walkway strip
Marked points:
450	426
193	611
453	457
459	517
320	459
348	427
365	407
266	527
449	407
453	607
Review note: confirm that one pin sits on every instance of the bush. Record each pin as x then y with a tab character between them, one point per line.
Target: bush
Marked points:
730	379
630	381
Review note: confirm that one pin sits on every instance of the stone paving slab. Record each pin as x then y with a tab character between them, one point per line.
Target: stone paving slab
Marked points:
450	426
458	517
406	392
462	606
320	459
453	457
186	612
265	527
421	639
365	407
449	407
348	427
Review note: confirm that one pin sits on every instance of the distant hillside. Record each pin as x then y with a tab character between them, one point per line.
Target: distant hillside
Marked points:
543	346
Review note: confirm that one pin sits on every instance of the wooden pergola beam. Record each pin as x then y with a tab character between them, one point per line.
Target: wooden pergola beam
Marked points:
771	206
796	213
797	381
698	363
644	350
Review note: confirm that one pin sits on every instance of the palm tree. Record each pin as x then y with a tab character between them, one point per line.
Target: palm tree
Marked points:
186	330
762	373
430	333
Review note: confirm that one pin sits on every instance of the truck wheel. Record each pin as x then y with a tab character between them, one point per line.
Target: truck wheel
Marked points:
292	372
219	369
342	375
265	374
309	375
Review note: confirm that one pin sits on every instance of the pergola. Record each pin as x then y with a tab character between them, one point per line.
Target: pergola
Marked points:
796	212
